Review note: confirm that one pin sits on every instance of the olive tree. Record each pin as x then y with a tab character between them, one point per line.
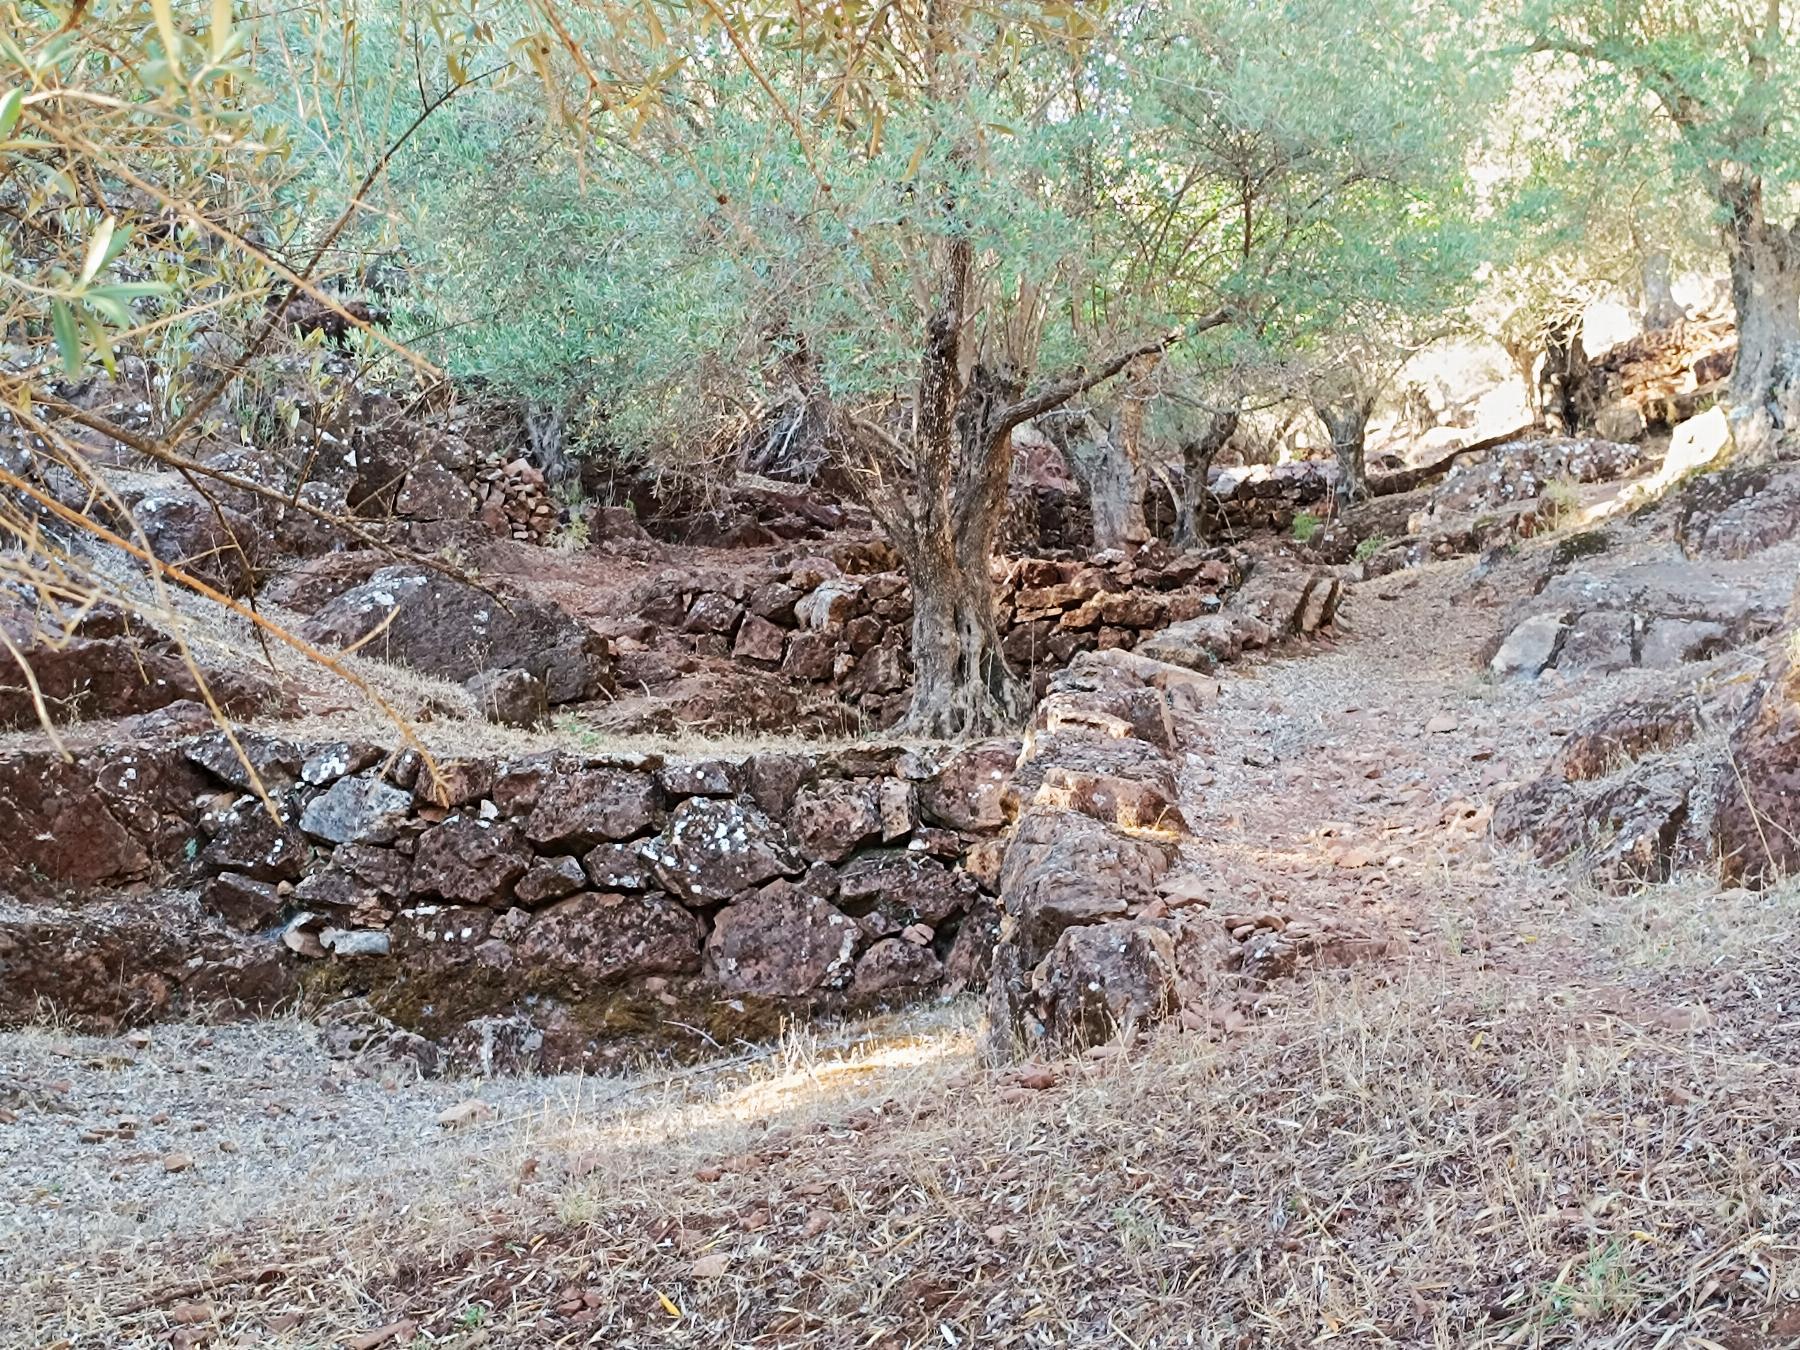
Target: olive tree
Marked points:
1721	73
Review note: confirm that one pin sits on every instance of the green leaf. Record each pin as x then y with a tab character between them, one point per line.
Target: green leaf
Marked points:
12	103
68	341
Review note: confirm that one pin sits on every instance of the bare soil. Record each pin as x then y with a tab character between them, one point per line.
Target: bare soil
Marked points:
1531	1114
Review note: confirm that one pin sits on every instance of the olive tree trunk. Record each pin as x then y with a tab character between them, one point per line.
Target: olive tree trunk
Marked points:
1765	293
937	487
1347	424
1197	455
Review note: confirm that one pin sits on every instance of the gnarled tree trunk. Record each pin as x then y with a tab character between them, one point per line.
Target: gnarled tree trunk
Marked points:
937	489
1347	423
1765	292
1109	462
1564	369
1196	462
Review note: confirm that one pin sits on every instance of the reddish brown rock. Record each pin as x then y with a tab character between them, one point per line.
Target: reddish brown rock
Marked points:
967	794
891	965
550	879
712	850
759	640
243	902
593	939
1103	978
580	808
830	820
509	698
905	887
1632	730
246	838
467	860
1757	825
782	942
454	631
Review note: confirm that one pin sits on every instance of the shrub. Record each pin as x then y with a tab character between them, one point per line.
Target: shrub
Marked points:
1306	525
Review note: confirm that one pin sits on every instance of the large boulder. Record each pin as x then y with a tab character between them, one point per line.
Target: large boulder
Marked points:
447	628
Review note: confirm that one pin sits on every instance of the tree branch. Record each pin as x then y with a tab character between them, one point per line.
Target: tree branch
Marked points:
1059	392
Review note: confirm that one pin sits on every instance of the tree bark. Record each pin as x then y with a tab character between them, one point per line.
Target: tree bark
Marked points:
1196	462
1347	423
1660	308
1565	366
1765	293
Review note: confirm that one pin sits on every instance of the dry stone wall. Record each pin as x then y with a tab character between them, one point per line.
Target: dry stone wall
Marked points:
557	906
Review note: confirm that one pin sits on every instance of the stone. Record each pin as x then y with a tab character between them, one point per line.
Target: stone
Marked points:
220	546
1757	819
831	603
774	601
809	656
1623	734
1101	979
1530	647
1619	421
712	850
452	630
1602	641
510	697
245	903
1202	644
830	820
881	670
759	640
1694	444
550	879
432	492
1670	642
579	808
1738	513
471	861
458	782
276	762
246	838
354	942
595	939
968	792
334	760
892	964
898	804
1063	869
617	867
1125	800
905	887
701	778
362	809
776	778
712	613
781	942
104	664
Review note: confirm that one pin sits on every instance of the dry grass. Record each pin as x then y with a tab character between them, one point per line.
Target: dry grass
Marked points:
1438	1154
